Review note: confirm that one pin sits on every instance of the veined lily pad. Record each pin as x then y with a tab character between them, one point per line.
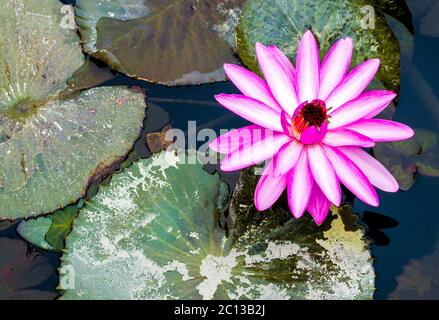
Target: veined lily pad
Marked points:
49	148
168	41
154	233
282	22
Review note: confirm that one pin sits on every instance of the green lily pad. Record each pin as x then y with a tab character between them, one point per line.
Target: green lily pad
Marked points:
49	232
50	149
154	233
34	231
169	41
283	22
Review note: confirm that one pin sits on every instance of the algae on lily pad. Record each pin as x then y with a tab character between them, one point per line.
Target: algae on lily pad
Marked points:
168	41
154	233
50	149
283	22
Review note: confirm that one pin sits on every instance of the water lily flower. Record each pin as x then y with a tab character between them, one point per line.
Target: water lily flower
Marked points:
311	122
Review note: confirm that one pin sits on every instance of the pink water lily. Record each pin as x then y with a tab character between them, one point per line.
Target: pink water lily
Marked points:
313	122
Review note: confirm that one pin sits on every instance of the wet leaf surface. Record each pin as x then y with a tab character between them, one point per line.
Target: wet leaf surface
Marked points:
168	41
154	233
51	149
21	272
282	22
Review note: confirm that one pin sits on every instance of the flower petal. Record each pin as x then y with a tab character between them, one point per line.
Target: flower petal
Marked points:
334	66
324	173
345	137
251	110
382	130
278	78
269	188
283	59
318	206
251	85
299	186
308	68
287	157
353	85
352	177
377	174
231	140
254	153
359	108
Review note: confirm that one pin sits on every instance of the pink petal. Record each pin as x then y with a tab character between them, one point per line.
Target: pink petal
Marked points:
352	177
283	59
344	137
354	84
367	103
382	130
251	110
334	66
278	78
372	168
308	68
269	188
324	173
231	140
287	157
300	183
318	206
251	85
254	153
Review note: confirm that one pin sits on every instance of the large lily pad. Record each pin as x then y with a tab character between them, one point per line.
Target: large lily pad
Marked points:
49	148
282	22
154	233
47	161
168	41
21	272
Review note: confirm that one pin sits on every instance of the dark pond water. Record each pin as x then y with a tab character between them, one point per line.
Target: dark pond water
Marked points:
406	228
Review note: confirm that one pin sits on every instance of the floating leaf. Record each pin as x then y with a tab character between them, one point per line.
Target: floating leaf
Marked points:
49	160
21	272
405	158
50	149
169	41
88	76
419	279
34	231
49	232
154	233
282	22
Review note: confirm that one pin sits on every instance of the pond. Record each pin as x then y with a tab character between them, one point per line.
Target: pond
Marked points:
404	229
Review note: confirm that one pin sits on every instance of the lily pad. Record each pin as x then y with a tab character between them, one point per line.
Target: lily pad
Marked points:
22	272
50	149
282	22
169	41
49	232
406	158
154	233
